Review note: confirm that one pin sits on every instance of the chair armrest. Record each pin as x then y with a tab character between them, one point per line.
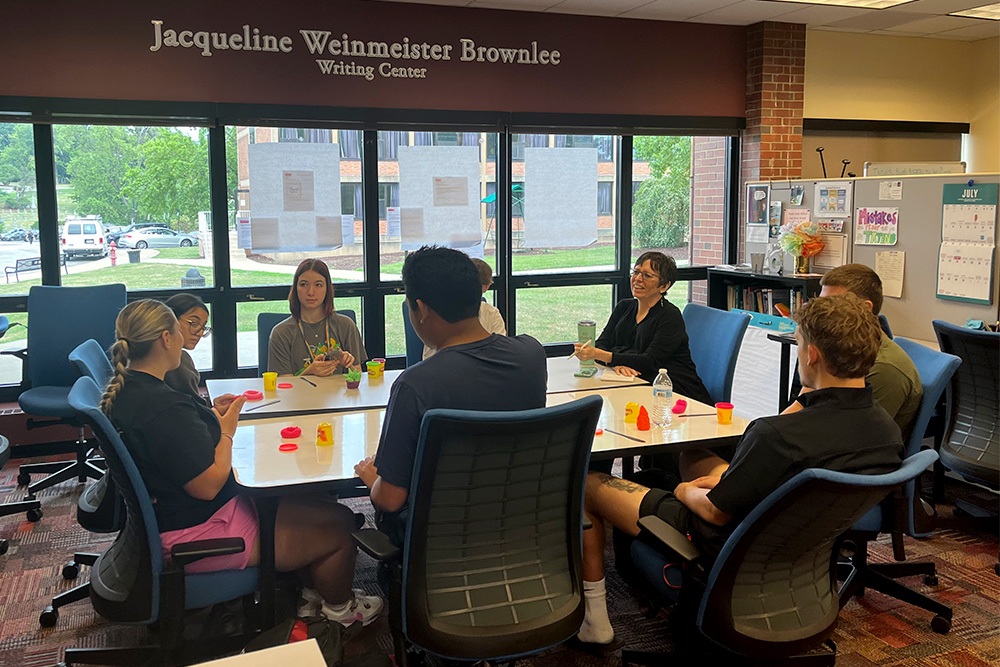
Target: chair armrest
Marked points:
186	553
376	544
668	536
21	354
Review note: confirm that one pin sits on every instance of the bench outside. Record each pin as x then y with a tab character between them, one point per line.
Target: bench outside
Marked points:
30	264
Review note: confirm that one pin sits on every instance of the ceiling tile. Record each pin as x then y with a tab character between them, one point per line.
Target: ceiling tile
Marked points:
940	7
878	20
935	24
815	15
676	10
746	13
596	7
985	30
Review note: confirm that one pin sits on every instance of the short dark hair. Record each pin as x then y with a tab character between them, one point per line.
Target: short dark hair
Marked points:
320	267
857	279
182	303
662	264
844	330
444	279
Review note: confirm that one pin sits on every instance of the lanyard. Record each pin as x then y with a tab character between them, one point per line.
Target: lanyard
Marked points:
308	346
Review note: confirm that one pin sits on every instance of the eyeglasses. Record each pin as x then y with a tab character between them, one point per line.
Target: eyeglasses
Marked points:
645	275
198	328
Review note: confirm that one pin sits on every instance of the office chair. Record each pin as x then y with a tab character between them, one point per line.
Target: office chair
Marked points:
267	321
883	322
771	594
32	508
490	565
100	508
714	337
59	319
971	442
414	346
130	583
904	513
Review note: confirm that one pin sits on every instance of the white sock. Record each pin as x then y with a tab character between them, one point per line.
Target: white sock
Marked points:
596	628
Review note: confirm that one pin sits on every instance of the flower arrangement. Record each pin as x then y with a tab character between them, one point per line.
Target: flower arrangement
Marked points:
801	240
353	377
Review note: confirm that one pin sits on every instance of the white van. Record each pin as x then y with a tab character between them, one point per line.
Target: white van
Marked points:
84	237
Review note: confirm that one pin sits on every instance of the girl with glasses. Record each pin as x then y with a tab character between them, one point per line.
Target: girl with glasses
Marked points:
192	316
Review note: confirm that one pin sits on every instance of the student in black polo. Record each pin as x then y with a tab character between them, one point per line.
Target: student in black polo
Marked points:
841	428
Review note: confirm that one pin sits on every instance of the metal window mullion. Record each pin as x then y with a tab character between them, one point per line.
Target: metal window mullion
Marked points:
623	238
372	300
48	207
224	352
506	301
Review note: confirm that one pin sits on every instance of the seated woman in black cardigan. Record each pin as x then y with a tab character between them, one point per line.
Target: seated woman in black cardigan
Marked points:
646	333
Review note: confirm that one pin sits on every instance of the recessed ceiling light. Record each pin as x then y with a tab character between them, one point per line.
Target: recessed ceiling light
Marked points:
991	12
860	4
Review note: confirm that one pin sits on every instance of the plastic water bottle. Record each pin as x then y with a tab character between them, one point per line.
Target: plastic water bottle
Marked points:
663	393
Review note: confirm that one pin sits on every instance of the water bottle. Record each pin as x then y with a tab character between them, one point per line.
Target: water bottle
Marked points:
663	393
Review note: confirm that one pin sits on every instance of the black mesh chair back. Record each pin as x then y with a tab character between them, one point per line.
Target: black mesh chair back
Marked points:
125	579
492	558
971	444
772	591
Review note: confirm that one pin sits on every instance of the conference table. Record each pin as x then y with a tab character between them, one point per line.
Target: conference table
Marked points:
313	394
266	472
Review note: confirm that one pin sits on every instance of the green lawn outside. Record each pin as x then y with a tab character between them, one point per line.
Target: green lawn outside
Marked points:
179	253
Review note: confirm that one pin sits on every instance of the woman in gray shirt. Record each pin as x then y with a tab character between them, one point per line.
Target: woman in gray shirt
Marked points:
314	340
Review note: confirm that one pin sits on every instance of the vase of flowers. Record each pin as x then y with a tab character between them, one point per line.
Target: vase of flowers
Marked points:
803	241
353	378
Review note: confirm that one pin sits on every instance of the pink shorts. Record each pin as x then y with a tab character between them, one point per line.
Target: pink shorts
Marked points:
237	518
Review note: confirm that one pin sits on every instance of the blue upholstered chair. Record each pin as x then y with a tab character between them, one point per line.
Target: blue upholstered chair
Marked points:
714	337
130	583
414	346
99	509
267	321
771	593
490	568
905	513
59	319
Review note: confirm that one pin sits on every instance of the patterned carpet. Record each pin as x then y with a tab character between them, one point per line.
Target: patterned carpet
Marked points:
874	630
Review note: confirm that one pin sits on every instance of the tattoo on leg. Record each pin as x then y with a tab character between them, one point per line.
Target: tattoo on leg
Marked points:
621	484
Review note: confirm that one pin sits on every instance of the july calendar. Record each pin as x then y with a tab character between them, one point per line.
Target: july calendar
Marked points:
968	234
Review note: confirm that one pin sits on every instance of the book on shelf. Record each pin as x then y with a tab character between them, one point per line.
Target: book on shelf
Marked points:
770	301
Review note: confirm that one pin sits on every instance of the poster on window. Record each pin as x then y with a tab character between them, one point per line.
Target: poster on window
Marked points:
560	197
294	197
439	198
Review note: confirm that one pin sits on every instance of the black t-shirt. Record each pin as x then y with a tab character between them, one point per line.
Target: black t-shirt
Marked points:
172	439
839	429
496	373
659	341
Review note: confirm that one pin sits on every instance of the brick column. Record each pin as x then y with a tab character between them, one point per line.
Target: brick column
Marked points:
772	141
708	199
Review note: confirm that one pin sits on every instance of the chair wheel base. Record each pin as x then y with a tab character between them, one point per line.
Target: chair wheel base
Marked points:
48	618
931	579
34	515
23	479
71	570
940	625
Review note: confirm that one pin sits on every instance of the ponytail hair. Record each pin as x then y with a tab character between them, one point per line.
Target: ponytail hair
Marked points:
138	326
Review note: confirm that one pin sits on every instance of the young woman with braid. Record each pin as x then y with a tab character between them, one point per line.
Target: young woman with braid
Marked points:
183	451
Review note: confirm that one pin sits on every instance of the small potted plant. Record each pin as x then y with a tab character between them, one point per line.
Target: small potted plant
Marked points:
353	378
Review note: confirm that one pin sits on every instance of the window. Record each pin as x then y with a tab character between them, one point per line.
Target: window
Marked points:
560	222
550	314
436	191
304	200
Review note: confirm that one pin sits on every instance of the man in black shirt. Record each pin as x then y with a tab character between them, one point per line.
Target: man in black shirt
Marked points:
841	428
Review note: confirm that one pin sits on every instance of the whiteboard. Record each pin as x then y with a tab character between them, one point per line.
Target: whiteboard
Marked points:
912	168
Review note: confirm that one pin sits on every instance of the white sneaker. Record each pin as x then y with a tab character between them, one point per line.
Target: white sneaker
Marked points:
361	607
310	604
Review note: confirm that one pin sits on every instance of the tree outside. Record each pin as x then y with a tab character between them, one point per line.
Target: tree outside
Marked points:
662	205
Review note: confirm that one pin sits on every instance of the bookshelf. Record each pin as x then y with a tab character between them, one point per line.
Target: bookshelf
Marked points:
758	292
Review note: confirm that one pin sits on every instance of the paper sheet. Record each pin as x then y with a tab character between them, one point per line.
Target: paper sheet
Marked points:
964	271
889	267
834	254
890	190
609	375
832	199
756	234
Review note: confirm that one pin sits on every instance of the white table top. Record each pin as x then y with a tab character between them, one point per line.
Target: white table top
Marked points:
329	395
259	464
561	377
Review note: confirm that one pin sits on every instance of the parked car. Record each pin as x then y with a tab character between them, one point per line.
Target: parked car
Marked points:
156	237
84	236
17	234
117	232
